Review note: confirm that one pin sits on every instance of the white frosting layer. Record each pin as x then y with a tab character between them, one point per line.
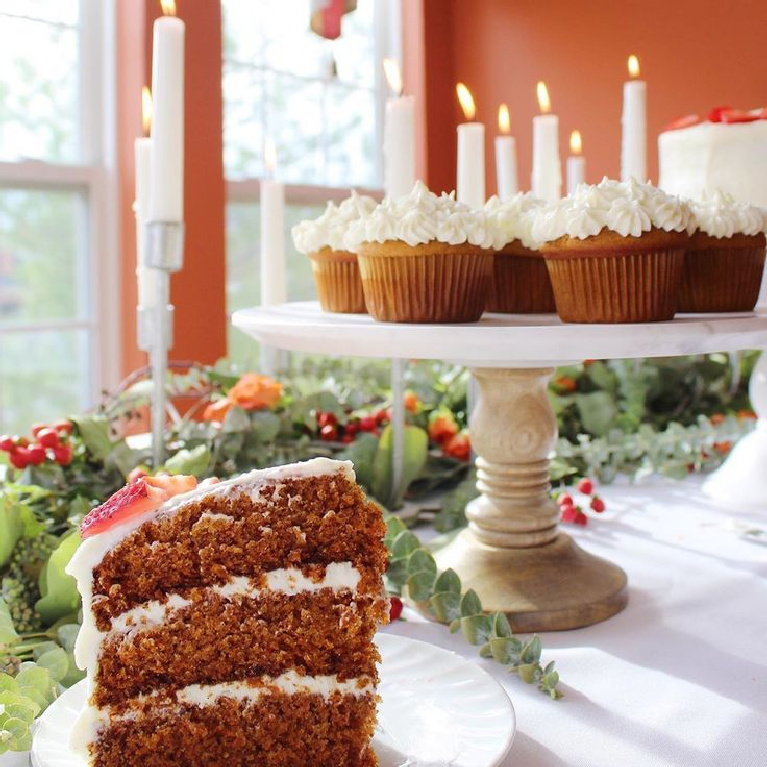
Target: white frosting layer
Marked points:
329	229
626	207
93	550
420	217
287	580
92	720
512	219
711	156
718	215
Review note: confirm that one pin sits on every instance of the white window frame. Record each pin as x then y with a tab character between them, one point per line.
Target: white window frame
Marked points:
388	43
95	176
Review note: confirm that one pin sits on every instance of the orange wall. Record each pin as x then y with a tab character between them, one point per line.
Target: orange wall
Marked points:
199	290
694	54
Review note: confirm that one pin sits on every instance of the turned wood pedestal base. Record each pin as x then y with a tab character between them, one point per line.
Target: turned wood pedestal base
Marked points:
512	553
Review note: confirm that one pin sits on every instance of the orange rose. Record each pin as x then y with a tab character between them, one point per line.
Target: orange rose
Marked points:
458	446
723	447
216	411
746	415
411	402
255	392
716	419
442	426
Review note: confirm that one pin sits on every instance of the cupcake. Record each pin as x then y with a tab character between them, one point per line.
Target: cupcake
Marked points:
336	271
423	258
521	282
724	260
614	251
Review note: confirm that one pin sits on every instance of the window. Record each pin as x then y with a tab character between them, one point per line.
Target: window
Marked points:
320	101
56	342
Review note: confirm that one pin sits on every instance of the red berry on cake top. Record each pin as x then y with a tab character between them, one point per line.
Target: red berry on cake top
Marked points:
136	498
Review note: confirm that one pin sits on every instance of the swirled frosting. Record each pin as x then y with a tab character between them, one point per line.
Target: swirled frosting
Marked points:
719	215
628	208
329	229
512	219
420	217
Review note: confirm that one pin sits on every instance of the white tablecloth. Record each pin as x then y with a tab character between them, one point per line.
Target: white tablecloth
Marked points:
680	676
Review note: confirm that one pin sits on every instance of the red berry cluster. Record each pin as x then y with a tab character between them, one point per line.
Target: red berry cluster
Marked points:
332	431
572	512
50	442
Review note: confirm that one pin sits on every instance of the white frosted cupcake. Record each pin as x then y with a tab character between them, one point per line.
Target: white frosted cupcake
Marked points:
521	282
336	271
423	258
615	251
724	260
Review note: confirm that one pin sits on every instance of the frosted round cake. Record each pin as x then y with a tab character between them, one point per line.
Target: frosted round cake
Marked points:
711	156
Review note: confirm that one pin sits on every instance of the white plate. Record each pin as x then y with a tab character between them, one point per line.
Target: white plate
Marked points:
437	709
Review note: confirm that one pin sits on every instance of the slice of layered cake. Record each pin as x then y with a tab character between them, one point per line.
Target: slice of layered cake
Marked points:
232	623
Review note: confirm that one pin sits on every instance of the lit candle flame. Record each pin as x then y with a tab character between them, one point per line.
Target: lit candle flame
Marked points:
544	102
504	121
393	75
168	7
270	155
633	66
576	144
146	110
466	101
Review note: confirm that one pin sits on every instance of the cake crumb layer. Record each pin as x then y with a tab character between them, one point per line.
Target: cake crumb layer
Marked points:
270	733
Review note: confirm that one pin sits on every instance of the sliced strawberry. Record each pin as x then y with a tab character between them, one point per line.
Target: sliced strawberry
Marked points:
715	115
136	498
683	122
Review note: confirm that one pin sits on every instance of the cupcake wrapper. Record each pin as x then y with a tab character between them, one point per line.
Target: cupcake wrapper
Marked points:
724	279
426	288
339	287
520	285
628	287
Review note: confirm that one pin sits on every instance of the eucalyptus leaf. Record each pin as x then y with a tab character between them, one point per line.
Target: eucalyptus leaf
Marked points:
8	633
446	606
56	662
470	603
421	561
419	586
448	580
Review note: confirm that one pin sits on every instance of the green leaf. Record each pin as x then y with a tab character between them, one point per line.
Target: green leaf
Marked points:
10	527
416	453
8	684
470	603
476	628
446	605
526	672
504	649
421	561
94	431
597	411
404	544
531	652
501	626
20	739
43	648
419	586
67	636
195	461
235	421
60	594
266	424
56	662
448	581
362	452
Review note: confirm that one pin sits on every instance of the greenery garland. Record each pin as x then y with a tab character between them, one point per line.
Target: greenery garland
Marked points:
614	418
